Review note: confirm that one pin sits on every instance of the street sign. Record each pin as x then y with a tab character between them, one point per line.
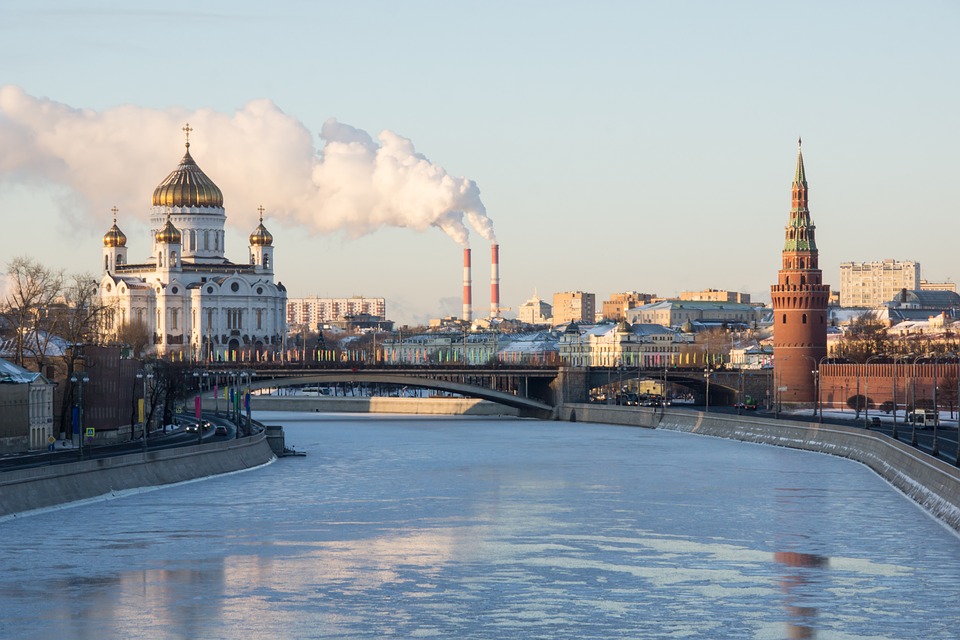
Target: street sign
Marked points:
781	388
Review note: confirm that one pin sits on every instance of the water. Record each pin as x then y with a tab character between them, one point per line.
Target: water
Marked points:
482	528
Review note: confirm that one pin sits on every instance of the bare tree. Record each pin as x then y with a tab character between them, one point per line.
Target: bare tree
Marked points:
136	334
32	290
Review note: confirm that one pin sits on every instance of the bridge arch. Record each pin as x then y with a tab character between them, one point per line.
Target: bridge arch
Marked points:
526	406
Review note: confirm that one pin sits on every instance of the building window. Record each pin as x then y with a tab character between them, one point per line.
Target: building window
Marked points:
206	240
174	317
784	319
259	318
804	318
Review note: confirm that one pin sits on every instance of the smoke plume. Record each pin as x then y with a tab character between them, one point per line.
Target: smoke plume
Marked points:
258	155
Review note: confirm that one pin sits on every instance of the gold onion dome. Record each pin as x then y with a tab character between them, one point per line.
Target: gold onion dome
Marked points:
114	237
260	236
187	185
169	234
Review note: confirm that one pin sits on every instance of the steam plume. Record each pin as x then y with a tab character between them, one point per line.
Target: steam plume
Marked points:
257	155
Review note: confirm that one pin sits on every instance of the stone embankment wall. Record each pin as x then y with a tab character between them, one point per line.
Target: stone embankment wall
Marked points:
932	483
420	406
40	487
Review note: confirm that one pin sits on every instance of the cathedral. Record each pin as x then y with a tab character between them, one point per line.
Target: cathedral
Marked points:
197	305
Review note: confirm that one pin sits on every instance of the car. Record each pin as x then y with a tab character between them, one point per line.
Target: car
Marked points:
192	427
220	430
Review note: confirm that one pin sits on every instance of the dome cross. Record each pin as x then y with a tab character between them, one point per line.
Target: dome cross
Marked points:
187	129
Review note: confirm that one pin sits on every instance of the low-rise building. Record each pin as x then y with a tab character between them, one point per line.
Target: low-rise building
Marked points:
26	409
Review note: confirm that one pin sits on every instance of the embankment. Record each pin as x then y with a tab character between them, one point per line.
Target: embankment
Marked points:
932	483
347	404
41	487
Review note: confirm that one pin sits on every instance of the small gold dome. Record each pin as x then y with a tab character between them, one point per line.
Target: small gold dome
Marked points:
169	234
260	236
187	185
114	237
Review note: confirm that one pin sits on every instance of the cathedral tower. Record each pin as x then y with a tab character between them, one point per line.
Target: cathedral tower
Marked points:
799	303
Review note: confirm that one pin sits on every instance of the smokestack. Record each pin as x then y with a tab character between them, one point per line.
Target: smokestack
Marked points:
494	281
467	288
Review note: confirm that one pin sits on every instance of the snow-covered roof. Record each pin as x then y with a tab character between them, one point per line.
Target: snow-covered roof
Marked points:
13	374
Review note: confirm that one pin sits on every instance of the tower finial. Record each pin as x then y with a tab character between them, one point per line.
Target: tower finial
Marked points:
260	209
114	214
187	129
799	141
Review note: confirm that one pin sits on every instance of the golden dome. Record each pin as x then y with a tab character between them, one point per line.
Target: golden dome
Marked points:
114	237
187	185
169	234
260	236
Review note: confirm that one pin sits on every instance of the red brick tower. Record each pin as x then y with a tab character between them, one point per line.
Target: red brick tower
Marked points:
799	303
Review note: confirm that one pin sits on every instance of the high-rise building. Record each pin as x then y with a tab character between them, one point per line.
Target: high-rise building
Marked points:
314	311
871	284
616	307
799	303
574	306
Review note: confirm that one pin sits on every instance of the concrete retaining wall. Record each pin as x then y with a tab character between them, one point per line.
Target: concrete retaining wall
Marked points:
932	483
28	489
421	406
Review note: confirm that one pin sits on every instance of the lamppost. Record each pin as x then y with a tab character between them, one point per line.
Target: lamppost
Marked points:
706	374
663	395
897	359
79	379
145	376
913	400
866	390
740	391
935	450
200	378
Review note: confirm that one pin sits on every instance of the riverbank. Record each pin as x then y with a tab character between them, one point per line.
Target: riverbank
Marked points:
932	483
25	490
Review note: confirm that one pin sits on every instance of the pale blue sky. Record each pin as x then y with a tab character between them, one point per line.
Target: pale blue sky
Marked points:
617	145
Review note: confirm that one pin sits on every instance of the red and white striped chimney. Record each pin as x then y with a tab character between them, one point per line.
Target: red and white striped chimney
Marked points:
467	288
494	281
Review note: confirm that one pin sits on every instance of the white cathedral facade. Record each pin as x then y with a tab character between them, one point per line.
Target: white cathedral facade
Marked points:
196	304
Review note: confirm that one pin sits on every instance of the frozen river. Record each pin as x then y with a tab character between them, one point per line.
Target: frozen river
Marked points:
413	527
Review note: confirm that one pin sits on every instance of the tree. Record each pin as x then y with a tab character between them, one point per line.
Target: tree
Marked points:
32	289
866	336
857	403
136	334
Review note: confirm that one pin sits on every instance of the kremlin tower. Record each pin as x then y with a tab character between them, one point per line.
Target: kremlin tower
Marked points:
799	303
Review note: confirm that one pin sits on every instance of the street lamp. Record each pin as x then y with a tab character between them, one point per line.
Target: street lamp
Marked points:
913	400
866	390
79	380
706	374
897	359
143	375
200	378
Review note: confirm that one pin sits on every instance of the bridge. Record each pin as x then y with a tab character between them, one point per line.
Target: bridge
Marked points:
535	391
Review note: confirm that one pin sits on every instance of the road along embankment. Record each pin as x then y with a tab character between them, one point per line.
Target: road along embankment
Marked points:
346	404
25	490
932	483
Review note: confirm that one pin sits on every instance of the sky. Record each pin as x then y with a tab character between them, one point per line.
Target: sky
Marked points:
607	146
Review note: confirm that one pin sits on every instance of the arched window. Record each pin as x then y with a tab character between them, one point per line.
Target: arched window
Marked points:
173	259
160	259
106	263
804	318
784	319
266	261
206	240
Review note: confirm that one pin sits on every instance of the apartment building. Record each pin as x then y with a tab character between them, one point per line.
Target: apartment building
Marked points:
574	306
871	284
